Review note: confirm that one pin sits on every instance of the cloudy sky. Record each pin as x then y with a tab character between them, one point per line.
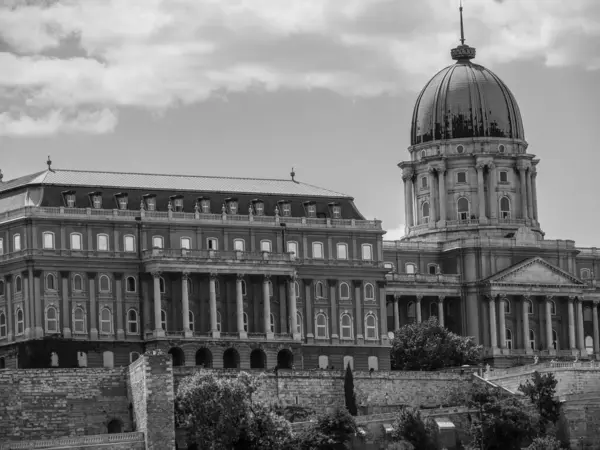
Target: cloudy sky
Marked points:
256	87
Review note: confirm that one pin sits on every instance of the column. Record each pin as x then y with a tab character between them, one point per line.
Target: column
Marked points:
492	318
502	320
481	191
523	188
185	305
65	305
407	177
30	284
93	308
239	306
432	200
293	309
310	336
144	284
440	306
397	312
534	192
27	306
335	337
525	313
283	314
119	305
37	300
549	345
9	312
596	331
212	304
492	191
571	316
442	193
383	331
529	195
158	331
267	307
359	313
418	308
580	336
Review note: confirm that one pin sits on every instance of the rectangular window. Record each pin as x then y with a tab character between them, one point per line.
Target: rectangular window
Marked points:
312	210
157	242
317	250
503	176
122	202
337	212
259	208
461	177
205	206
212	244
265	246
1	246
238	245
48	240
286	209
103	242
367	252
76	241
233	207
17	243
178	204
342	251
186	243
129	244
292	247
70	200
424	182
97	201
151	203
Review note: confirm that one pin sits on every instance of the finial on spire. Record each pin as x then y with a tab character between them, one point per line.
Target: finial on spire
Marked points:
462	52
49	162
293	174
462	30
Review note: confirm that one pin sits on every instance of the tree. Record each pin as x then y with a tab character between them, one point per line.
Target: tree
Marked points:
409	426
541	390
349	392
545	443
429	346
331	431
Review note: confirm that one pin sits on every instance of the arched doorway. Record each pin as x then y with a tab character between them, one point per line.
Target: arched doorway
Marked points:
258	359
231	359
178	356
285	359
114	426
204	358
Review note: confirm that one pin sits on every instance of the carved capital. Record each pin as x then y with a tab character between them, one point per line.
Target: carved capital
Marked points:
441	298
67	274
185	275
155	274
408	174
595	304
116	275
294	277
38	273
307	281
213	276
381	284
332	282
527	296
430	169
239	276
572	298
491	297
397	296
419	297
266	277
7	277
550	297
480	166
357	283
491	166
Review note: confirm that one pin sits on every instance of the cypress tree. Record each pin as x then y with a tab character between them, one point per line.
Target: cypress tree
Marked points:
349	392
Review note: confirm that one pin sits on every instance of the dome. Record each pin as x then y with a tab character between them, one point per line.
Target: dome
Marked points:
465	100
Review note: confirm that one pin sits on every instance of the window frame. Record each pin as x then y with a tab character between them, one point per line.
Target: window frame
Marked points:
507	307
75	276
184	239
214	240
467	213
529	307
192	320
102	321
509	339
219	321
17	242
135	322
435	267
3	325
299	323
411	310
325	326
48	235
129	248
157	238
246	321
71	242
582	273
82	320
532	342
362	252
553	308
54	286
344	256
163	320
505	214
237	241
48	320
18	289
425	217
295	253
555	340
162	285
372	297
458	174
410	264
373	327
500	173
98	238
268	243
348	327
100	288
19	321
318	244
323	290
425	182
272	322
342	296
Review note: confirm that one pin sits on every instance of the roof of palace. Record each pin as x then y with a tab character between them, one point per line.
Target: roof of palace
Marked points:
126	180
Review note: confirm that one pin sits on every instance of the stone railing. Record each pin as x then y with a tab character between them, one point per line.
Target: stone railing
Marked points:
423	278
211	255
30	253
153	216
546	366
75	441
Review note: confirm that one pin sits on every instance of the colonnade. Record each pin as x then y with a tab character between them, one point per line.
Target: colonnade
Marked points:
418	312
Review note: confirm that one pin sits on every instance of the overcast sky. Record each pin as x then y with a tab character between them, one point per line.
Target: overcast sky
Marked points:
253	87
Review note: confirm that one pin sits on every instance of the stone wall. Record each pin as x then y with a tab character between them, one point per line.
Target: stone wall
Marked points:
120	441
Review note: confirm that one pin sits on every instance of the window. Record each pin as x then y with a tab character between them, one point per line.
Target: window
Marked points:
178	204
265	246
157	242
311	210
18	284
370	326
504	208
460	149
529	307
103	242
297	289
2	325
423	154
501	148
270	288
106	321
245	316
1	246
70	199
191	320
78	320
425	212
552	307
272	322
299	324
369	292
323	362
506	306
17	243
48	240
433	309
432	269
104	283
51	320
132	322
462	206
238	245
508	342
122	201
232	207
77	283
373	363
342	251
19	322
50	282
212	243
344	291
163	319
424	182
161	283
461	177
410	268
129	242
186	243
130	284
585	274
319	290
317	250
244	291
97	201
411	311
346	326
503	176
389	266
292	247
336	211
555	342
218	321
532	339
367	252
321	326
259	208
76	241
151	203
286	209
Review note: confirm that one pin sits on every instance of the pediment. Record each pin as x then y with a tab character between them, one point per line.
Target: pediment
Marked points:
535	271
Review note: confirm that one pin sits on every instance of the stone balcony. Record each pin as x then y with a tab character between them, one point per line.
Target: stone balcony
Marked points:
423	284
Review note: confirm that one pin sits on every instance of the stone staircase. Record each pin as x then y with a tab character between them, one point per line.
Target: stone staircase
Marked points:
117	441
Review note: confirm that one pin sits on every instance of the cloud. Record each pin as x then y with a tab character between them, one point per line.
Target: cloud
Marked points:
58	121
66	55
395	234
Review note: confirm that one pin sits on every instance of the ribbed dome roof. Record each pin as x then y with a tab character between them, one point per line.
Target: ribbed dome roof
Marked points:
465	100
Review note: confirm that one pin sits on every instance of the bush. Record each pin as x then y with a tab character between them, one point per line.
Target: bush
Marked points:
545	443
332	431
409	426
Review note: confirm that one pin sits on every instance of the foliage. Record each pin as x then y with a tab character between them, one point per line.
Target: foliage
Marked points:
545	443
349	392
332	431
429	346
541	390
265	430
409	426
294	413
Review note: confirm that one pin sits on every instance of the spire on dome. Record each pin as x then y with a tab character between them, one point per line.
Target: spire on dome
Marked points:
462	52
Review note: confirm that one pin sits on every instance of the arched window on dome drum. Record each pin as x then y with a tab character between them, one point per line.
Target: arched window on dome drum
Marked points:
462	207
425	212
505	208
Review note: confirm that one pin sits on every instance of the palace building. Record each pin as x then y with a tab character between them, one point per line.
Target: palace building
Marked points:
97	267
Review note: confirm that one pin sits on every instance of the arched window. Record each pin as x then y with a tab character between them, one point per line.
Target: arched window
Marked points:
2	286
292	247
77	283
20	322
506	306
265	246
51	320
346	326
555	342
48	240
370	326
272	322
584	274
106	321
410	268
191	319
342	251
317	250
299	324
218	321
462	208
552	307
509	339
411	311
425	212
239	245
50	282
529	306
78	320
433	309
369	292
104	283
130	284
129	243
157	242
319	290
244	291
76	241
2	325
17	243
162	285
505	208
344	291
270	288
18	284
367	252
532	339
297	289
245	316
321	326
132	322
163	319
102	243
